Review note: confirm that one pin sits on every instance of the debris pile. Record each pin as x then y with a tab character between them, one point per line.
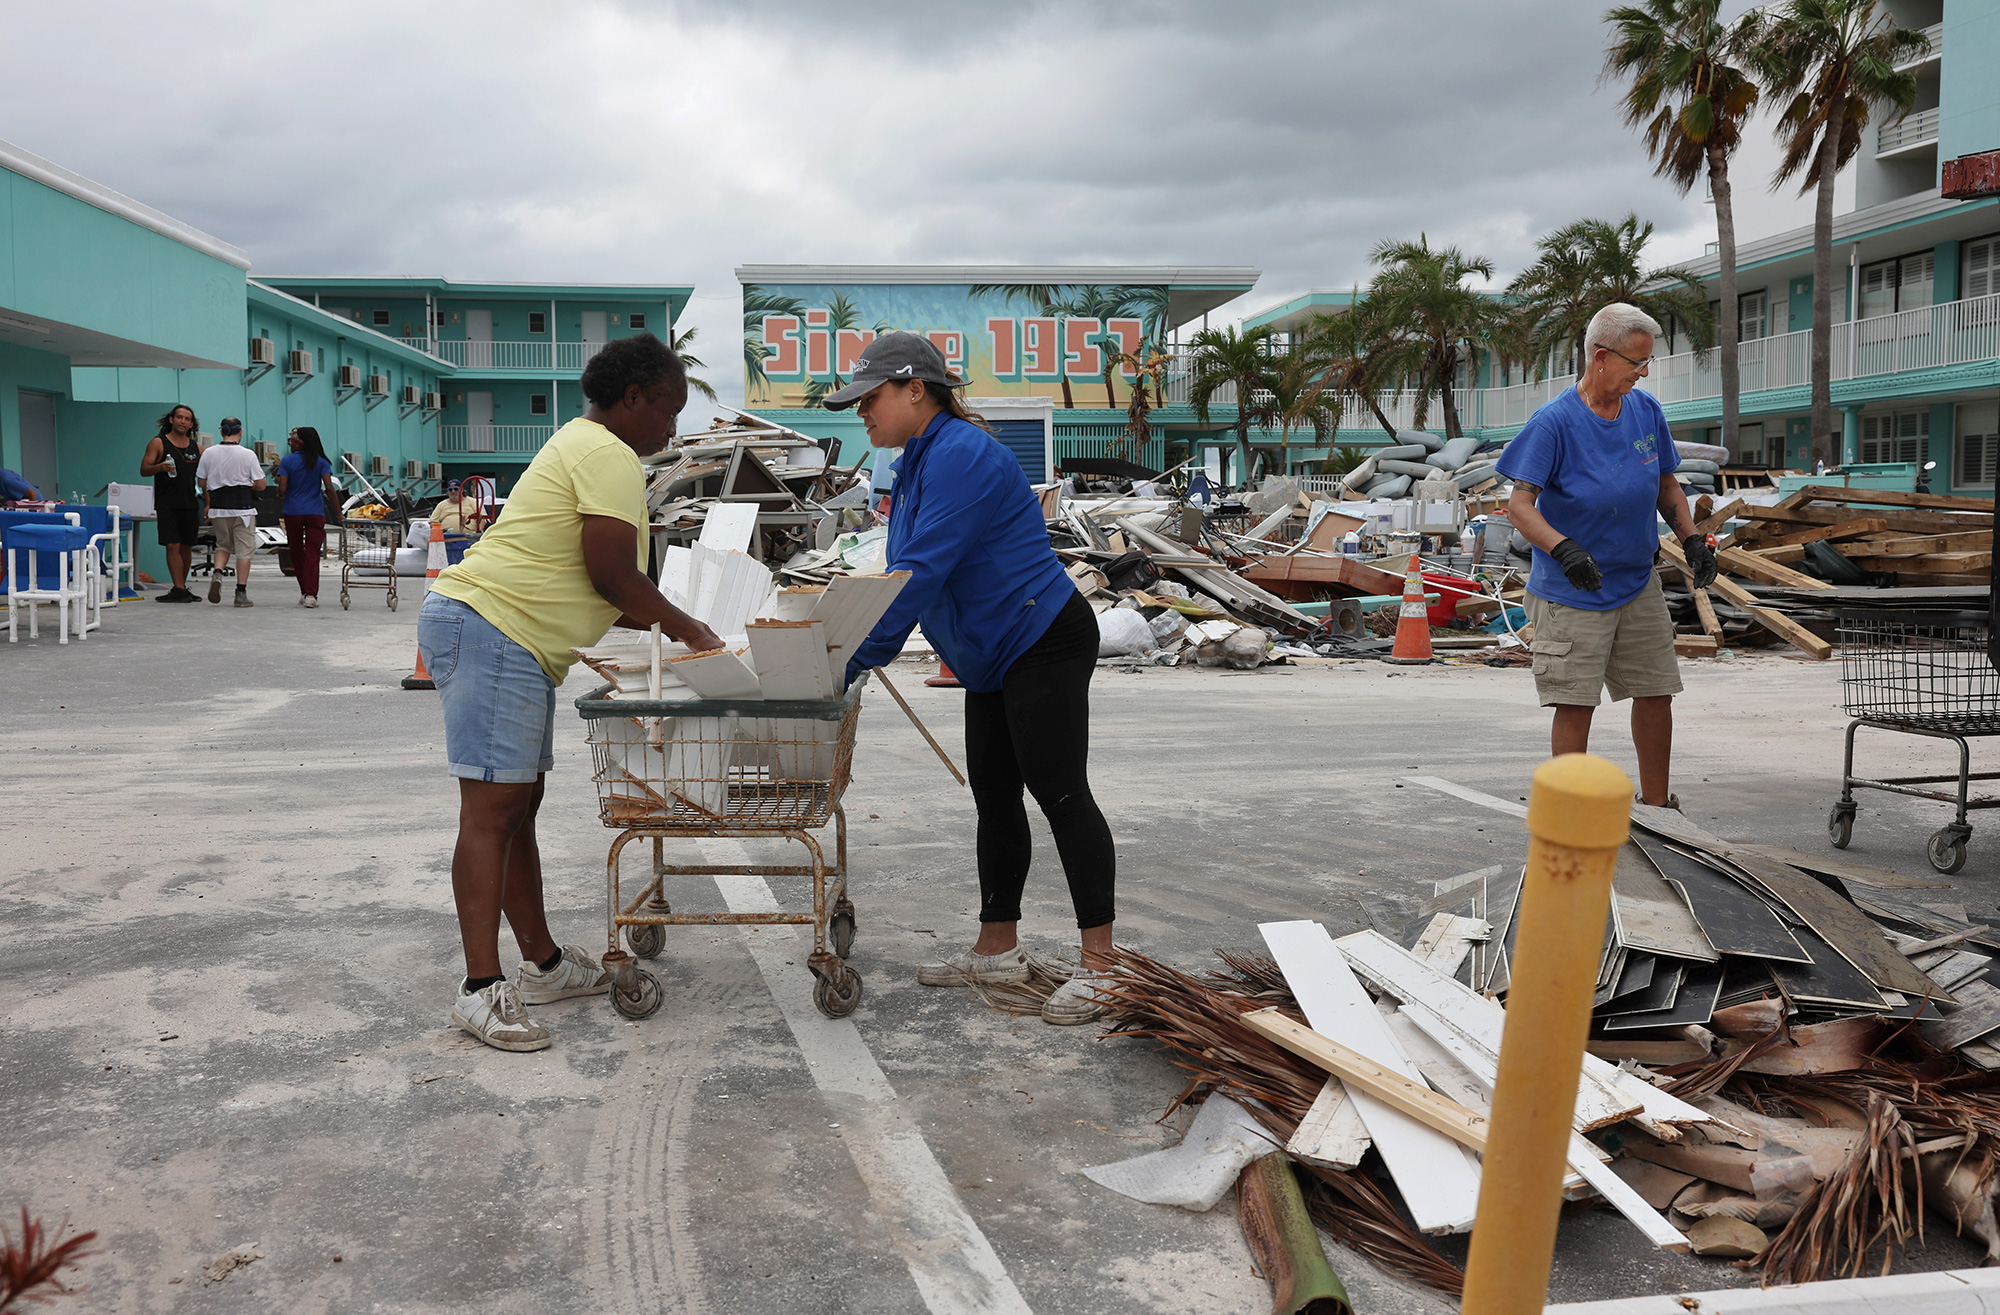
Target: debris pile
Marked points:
1779	1073
1425	466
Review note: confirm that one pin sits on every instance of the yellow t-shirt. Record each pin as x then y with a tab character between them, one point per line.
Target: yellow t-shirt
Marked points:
449	516
526	574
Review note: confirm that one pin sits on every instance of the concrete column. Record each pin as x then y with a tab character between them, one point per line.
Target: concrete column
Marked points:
1944	416
1850	433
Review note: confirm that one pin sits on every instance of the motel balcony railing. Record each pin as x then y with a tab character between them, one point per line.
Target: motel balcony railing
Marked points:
1917	128
518	439
470	354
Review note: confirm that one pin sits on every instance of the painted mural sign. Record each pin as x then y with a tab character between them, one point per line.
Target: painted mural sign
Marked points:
1080	344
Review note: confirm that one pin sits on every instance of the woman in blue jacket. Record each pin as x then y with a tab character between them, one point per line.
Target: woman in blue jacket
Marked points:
996	605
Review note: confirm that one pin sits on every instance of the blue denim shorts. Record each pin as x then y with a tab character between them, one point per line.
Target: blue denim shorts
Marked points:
499	705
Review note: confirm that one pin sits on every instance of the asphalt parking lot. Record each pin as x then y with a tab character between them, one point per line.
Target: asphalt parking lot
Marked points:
233	950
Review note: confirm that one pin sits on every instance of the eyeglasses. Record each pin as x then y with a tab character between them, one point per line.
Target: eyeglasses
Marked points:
1640	366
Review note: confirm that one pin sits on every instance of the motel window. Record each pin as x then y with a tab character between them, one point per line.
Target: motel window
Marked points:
1978	444
381	319
1888	286
538	321
1899	436
1981	276
1753	317
538	404
638	323
437	317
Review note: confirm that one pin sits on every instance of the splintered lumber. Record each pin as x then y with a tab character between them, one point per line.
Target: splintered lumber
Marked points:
1366	1078
1764	571
1791	552
1704	607
1890	498
1778	623
1448	939
1694	645
1945	563
1440	1185
1331	1134
1853	529
1913	522
1716	519
1925	544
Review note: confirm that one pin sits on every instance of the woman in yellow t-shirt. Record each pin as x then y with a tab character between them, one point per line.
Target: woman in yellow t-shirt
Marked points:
563	565
457	514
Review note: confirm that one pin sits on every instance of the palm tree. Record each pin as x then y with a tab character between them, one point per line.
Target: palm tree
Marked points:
1832	61
1423	292
1224	358
1293	396
692	362
1149	369
1692	100
1585	266
1359	354
758	303
1049	297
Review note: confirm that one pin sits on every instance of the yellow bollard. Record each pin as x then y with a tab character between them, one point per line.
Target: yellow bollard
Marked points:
1579	811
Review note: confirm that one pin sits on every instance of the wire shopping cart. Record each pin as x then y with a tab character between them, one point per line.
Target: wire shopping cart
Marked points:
368	555
745	769
1919	673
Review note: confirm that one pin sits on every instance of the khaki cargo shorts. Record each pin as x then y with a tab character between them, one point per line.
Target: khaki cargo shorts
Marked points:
1578	652
235	536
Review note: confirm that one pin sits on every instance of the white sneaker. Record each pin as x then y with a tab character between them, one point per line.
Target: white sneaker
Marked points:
310	600
494	1015
1077	1000
965	967
576	974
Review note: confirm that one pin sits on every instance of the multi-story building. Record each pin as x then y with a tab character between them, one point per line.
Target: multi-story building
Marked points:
112	312
1916	341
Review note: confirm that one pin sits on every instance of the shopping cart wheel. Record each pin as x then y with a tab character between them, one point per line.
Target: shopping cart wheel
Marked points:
646	1003
1946	850
343	600
392	602
838	1002
840	932
1840	825
646	941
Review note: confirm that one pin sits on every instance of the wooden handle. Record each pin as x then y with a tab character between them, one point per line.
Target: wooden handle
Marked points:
922	729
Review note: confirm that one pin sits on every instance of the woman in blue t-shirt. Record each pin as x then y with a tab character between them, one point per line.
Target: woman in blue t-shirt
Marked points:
305	477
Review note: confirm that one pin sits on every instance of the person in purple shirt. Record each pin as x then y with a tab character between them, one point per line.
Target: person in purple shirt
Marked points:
1593	474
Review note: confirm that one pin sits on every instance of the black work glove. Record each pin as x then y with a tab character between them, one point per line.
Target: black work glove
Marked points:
1701	559
1577	563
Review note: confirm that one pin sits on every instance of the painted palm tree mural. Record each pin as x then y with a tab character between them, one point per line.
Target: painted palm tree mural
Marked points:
757	303
1097	302
841	314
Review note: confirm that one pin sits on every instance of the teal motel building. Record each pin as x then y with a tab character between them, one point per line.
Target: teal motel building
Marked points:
112	312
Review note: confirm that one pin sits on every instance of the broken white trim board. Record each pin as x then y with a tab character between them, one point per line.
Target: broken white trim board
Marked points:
1942	1292
1331	1135
849	609
1437	1177
791	664
729	525
791	603
717	674
1220	1143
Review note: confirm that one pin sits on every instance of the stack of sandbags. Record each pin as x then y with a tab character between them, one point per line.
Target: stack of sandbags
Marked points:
1416	455
1701	466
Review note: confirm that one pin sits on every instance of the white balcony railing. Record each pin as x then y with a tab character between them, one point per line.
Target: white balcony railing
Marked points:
468	354
1954	333
493	438
1917	128
1934	34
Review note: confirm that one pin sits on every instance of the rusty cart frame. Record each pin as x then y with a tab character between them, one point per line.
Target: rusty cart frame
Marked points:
727	769
360	534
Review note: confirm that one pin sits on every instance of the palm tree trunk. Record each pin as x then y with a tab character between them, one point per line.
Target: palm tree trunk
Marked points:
1449	367
1242	441
1725	244
1380	418
1825	442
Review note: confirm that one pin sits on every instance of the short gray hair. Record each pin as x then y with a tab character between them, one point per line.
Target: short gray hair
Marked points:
1615	323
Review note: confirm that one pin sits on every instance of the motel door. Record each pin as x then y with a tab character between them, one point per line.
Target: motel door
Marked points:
594	332
38	442
478	422
479	346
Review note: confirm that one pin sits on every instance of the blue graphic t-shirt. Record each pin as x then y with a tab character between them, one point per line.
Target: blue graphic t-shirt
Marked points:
1600	483
304	490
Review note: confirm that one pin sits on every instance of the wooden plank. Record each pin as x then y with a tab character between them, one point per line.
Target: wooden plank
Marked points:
1331	1135
1923	544
1776	622
1853	529
1738	562
1440	1185
1844	927
1977	1015
1704	607
1716	519
1694	645
1788	553
1834	865
1945	563
1364	1077
1913	522
1892	498
1481	1021
1733	919
1448	939
718	674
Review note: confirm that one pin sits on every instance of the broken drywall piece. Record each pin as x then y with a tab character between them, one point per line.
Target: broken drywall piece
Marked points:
1194	1175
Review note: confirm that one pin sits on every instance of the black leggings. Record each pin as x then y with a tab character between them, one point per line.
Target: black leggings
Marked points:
1035	732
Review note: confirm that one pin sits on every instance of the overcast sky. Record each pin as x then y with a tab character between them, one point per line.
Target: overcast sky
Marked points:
670	142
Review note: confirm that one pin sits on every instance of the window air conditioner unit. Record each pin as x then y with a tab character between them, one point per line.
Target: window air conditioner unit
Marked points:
299	363
267	452
378	466
413	470
350	376
412	395
350	461
378	385
433	401
435	470
263	352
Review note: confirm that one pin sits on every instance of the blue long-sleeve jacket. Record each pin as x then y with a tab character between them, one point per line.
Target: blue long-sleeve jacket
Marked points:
983	580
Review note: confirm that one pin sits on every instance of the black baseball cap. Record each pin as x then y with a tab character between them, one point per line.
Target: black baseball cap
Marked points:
894	358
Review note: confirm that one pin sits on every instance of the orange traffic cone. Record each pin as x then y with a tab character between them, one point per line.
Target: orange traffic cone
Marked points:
944	679
433	563
1413	625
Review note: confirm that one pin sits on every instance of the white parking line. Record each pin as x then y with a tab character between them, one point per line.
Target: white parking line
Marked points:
1470	796
955	1268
